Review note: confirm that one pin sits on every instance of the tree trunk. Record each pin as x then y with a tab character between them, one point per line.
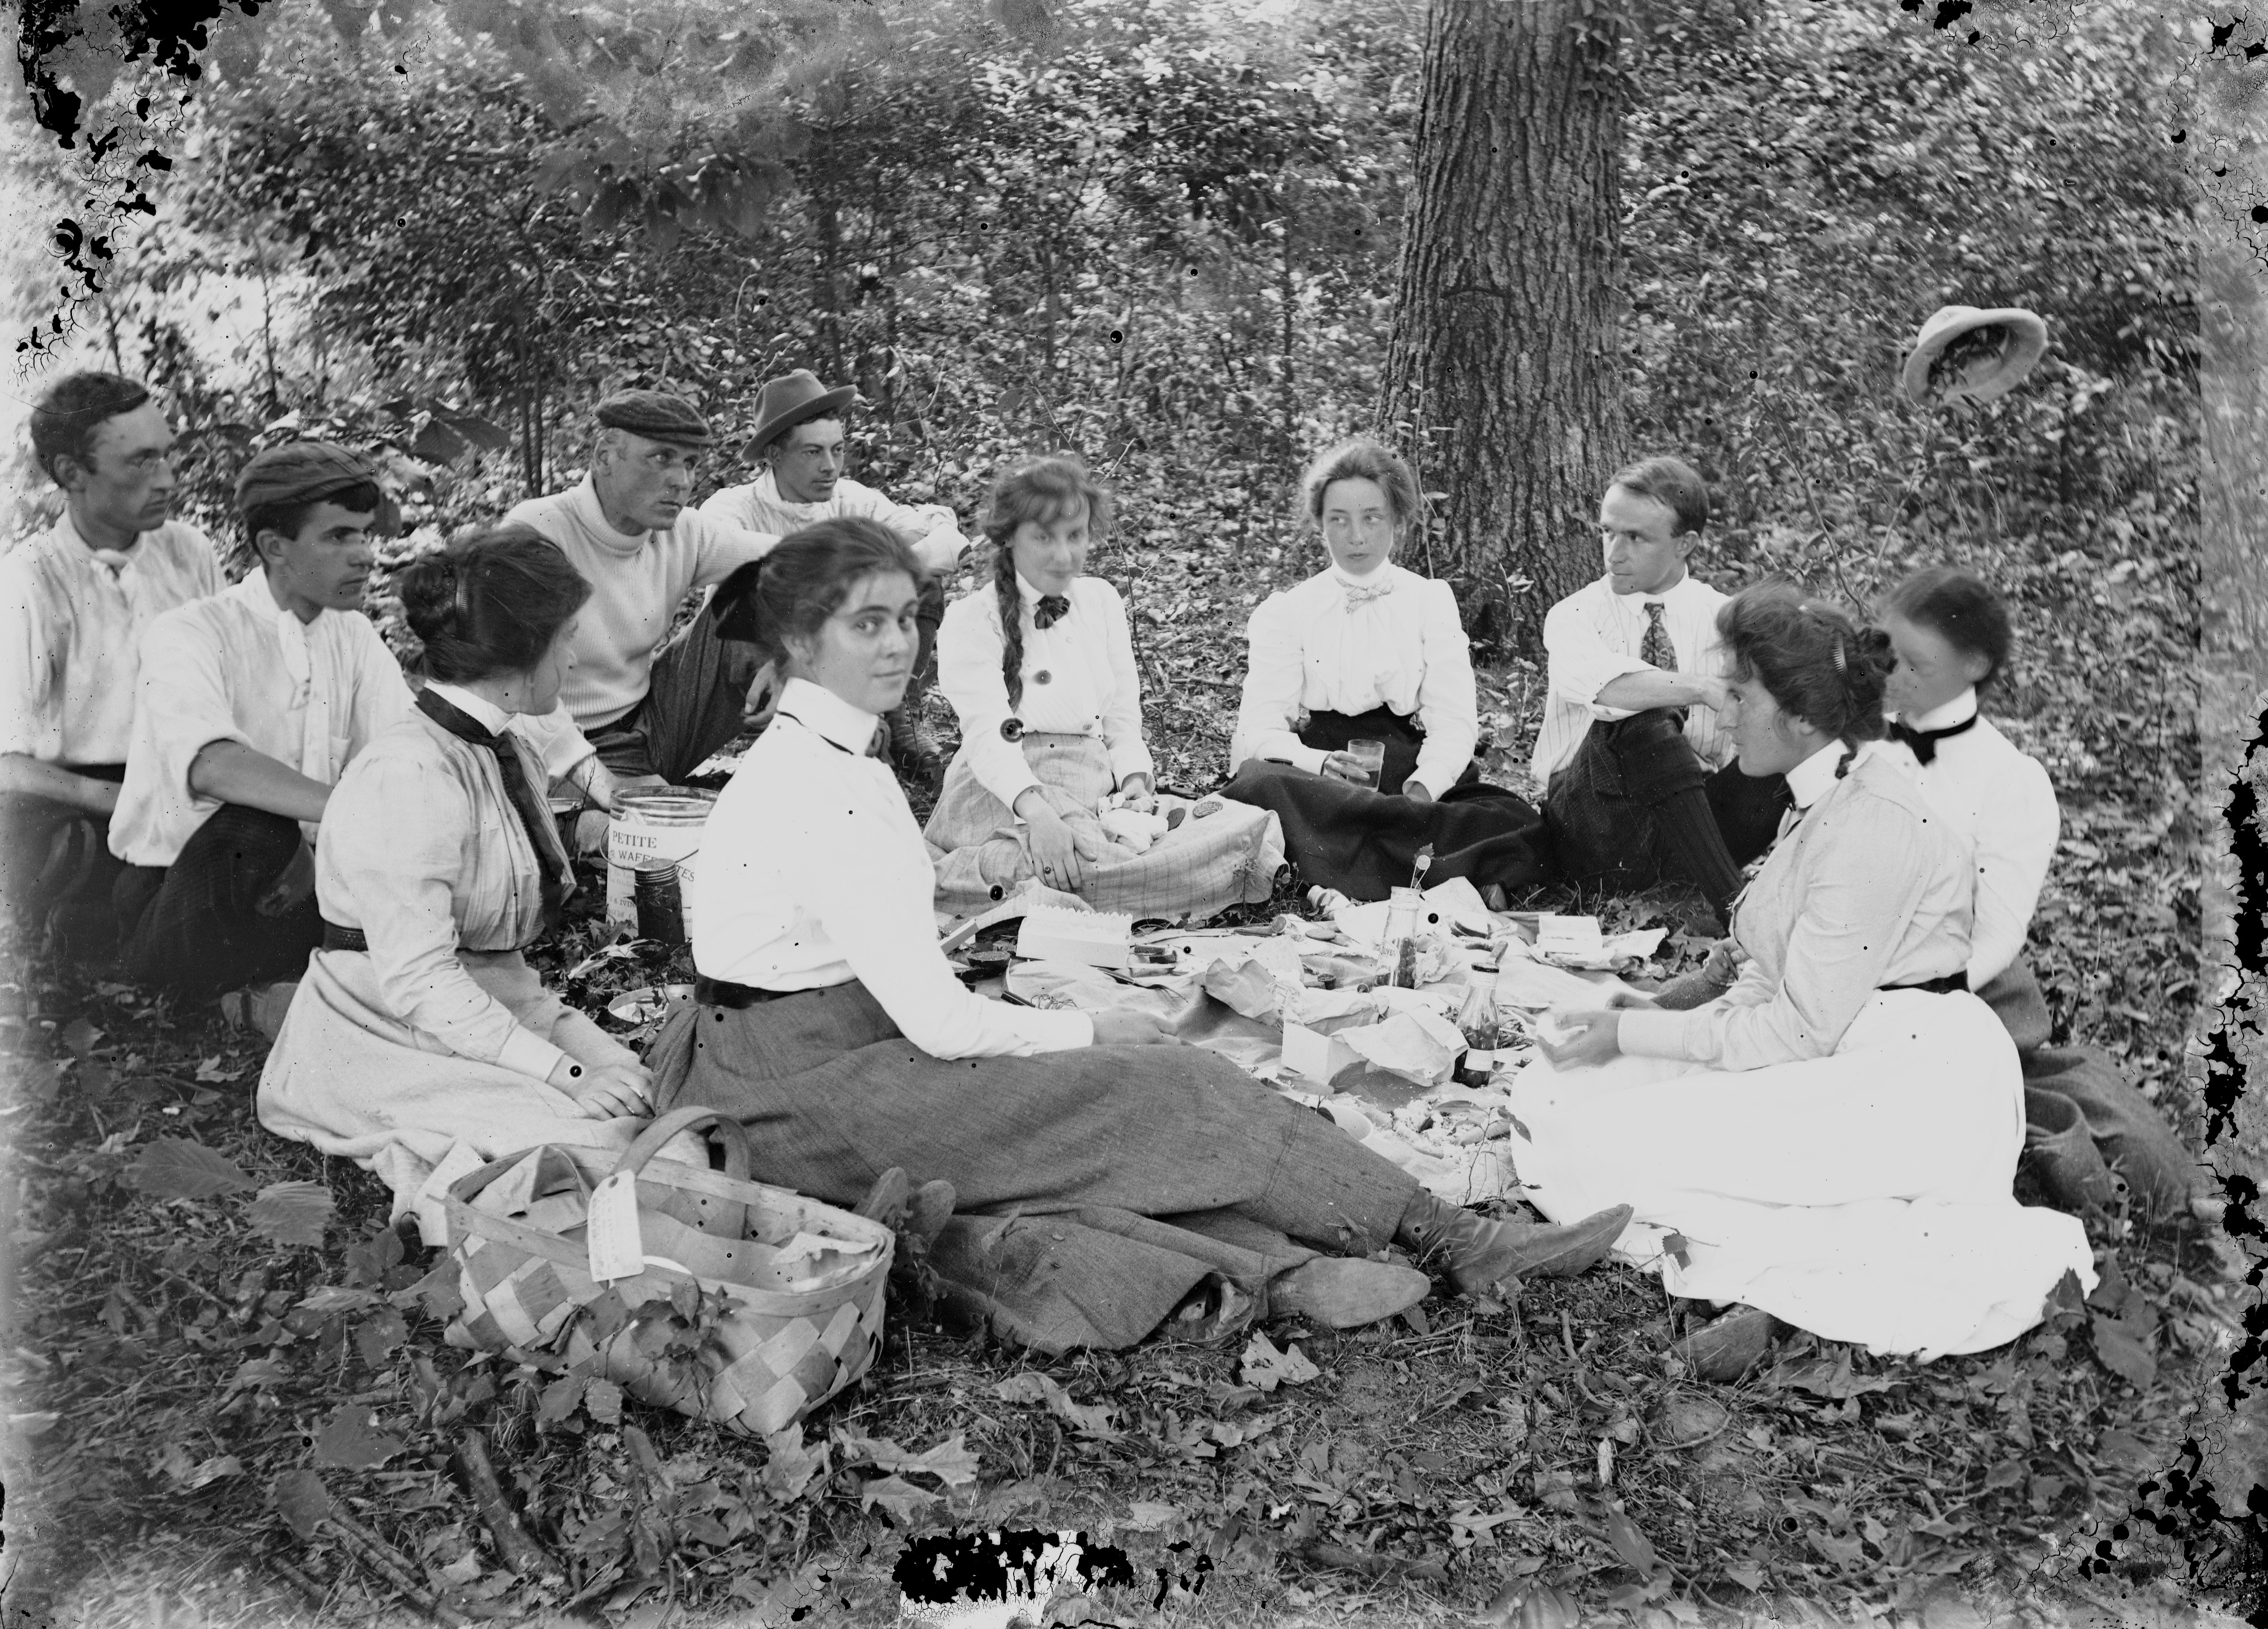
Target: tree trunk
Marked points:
1503	378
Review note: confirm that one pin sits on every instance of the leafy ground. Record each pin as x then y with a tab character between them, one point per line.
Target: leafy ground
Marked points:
200	1379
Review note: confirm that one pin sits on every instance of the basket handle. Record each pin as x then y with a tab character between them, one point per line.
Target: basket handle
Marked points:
738	1154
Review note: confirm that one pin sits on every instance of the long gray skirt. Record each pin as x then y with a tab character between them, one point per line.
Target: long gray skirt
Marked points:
1097	1188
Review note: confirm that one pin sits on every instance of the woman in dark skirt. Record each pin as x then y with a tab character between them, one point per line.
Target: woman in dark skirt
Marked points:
1366	651
1107	1178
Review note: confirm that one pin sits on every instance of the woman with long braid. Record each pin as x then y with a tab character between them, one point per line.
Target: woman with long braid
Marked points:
1052	779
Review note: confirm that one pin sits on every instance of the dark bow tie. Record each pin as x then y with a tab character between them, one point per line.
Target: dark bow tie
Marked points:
1924	743
1052	609
557	872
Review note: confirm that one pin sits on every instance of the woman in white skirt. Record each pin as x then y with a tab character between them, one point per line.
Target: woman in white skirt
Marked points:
1053	780
1831	1142
419	1028
1107	1179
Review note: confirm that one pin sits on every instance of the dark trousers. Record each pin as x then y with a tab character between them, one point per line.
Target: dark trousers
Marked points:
1330	731
1608	809
696	692
211	921
55	859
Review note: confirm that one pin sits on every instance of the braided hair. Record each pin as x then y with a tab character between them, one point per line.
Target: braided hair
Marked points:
1816	662
1046	489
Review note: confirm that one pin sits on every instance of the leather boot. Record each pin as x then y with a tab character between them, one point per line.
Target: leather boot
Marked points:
1346	1293
1480	1254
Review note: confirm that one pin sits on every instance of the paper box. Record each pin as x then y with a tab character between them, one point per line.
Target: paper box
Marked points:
1098	938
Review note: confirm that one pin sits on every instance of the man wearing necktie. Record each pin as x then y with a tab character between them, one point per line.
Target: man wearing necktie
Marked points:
73	603
1639	777
251	703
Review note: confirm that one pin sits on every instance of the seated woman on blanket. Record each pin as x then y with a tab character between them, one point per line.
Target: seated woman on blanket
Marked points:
1106	1177
1052	780
1833	1140
1362	651
1951	635
419	1028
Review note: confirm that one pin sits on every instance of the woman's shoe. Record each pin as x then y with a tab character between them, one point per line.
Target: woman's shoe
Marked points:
1728	1348
1346	1293
1482	1253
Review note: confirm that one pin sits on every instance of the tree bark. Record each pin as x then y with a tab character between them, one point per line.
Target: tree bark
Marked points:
1503	376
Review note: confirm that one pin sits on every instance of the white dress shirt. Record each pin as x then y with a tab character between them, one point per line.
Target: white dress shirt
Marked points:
422	850
1311	651
757	506
1592	638
1869	887
2002	802
72	619
637	583
834	884
239	667
1079	678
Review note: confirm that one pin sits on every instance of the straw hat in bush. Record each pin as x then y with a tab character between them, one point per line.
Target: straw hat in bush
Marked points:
1962	351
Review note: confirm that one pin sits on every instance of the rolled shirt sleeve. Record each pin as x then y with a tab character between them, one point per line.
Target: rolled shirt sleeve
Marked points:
560	746
1448	700
1121	714
1578	663
396	839
969	648
1273	681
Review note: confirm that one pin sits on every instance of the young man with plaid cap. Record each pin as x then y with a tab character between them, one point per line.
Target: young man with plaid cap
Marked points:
653	711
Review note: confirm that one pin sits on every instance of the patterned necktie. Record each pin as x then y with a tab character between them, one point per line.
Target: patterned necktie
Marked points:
557	876
1924	743
1655	649
1052	609
1362	593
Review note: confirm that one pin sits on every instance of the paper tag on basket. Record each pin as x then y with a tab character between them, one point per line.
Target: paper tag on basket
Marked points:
616	1249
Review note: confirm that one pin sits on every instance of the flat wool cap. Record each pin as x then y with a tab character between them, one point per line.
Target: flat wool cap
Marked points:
301	472
656	415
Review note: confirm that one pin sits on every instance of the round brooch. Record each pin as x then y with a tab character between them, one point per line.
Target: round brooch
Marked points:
1011	729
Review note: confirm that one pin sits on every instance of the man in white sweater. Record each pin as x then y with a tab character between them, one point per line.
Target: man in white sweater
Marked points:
800	444
654	710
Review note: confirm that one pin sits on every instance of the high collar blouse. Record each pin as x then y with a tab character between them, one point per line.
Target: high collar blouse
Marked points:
2001	801
422	850
1314	650
1868	889
1079	678
834	884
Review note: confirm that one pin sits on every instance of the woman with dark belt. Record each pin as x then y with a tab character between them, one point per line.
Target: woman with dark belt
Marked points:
1366	650
419	1025
1832	1141
1109	1180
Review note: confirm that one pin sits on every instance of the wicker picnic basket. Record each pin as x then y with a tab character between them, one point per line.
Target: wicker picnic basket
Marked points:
801	1282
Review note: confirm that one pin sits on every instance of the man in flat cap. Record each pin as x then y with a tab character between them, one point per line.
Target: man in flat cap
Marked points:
798	442
74	601
250	705
653	711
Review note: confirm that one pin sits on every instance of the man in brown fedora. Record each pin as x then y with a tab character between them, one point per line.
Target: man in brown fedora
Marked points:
798	442
654	710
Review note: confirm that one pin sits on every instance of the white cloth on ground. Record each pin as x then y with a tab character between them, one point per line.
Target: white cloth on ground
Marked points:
1312	650
856	903
757	506
637	583
70	635
1592	638
2000	800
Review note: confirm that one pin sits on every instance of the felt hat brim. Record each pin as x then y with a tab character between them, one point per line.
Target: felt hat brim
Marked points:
827	404
2029	344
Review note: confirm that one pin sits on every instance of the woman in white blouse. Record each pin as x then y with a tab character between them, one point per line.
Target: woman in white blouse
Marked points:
1052	780
1106	1176
419	1026
1951	636
1832	1141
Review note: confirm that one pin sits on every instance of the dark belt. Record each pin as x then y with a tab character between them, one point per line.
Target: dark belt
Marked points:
1943	984
338	938
709	991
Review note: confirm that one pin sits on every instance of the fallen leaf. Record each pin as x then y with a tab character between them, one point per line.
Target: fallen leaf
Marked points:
1637	1552
378	1336
292	1212
560	1399
1092	1419
1749	1578
211	1073
603	1401
80	1037
1264	1367
173	1168
301	1499
2122	1353
335	1298
791	1465
463	1570
900	1498
1147	1516
351	1440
